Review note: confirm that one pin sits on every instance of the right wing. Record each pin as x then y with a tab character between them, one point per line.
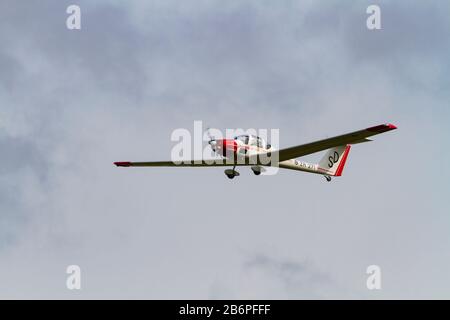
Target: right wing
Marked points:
316	146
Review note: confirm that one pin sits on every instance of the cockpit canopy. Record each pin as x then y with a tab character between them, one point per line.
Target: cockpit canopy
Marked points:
253	141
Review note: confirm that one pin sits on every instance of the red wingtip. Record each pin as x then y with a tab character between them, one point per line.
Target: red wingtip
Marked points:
122	164
391	126
382	128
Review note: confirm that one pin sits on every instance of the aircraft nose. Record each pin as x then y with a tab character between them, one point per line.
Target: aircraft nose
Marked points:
218	146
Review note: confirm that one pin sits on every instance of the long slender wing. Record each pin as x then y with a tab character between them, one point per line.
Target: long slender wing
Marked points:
349	138
197	163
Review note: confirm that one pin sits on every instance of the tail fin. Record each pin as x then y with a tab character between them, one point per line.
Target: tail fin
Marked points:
333	161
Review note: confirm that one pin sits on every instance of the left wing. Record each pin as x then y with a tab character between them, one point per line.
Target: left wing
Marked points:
193	163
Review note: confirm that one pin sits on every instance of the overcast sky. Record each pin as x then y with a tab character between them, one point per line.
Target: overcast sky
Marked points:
74	101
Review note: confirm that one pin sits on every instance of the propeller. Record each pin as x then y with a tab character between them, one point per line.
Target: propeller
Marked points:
208	134
212	141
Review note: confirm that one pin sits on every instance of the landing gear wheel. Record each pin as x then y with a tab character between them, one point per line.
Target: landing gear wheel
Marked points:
328	178
231	173
257	170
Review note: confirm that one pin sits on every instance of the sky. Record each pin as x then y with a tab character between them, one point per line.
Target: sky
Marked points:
74	101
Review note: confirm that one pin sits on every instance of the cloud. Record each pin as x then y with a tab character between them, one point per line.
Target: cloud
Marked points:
299	279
